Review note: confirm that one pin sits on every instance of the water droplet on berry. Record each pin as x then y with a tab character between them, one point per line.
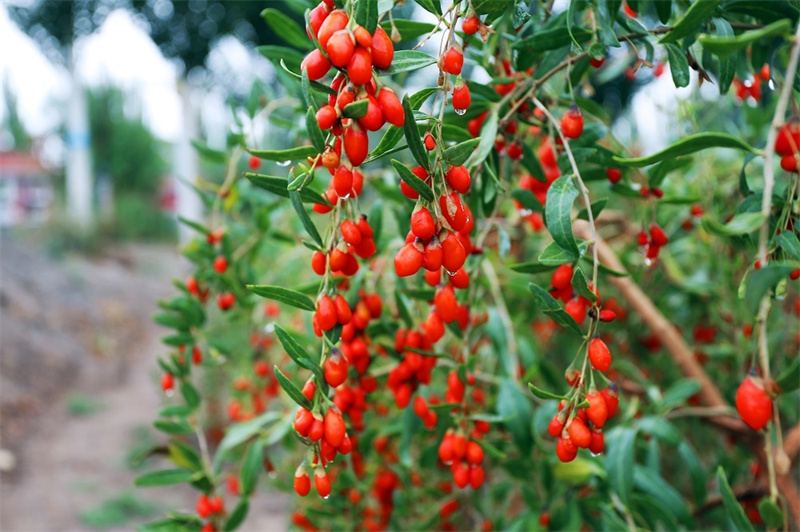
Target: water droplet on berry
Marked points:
648	262
461	112
170	392
284	163
525	212
272	474
326	497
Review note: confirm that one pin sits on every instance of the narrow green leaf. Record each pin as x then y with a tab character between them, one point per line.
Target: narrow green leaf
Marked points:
252	465
173	427
544	394
356	109
367	14
239	433
723	46
697	473
278	186
488	136
619	462
419	186
735	511
431	6
284	295
237	515
291	390
740	224
771	513
209	154
408	29
789	379
293	349
194	225
286	28
597	207
727	64
554	255
165	477
292	154
762	281
527	200
581	285
408	61
558	213
297	203
276	54
190	394
550	39
687	145
678	65
691	20
412	135
547	304
575	7
649	481
679	392
305	87
491	450
532	267
458	154
790	244
314	132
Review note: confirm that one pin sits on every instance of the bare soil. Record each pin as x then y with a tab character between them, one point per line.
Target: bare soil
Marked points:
78	390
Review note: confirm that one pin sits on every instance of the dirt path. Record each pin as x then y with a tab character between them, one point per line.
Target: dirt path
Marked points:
79	391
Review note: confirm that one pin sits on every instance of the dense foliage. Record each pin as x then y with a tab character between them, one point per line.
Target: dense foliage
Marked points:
441	303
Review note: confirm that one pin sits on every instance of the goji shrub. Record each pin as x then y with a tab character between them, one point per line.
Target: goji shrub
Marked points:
475	305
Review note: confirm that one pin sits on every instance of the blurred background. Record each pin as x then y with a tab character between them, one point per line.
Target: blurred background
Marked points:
105	106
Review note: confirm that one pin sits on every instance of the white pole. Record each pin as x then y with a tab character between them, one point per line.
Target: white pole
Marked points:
185	170
79	162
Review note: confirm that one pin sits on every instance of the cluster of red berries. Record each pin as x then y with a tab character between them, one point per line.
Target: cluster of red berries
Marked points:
582	427
328	436
787	145
414	368
207	507
252	396
354	52
464	456
452	62
575	305
357	239
751	88
652	241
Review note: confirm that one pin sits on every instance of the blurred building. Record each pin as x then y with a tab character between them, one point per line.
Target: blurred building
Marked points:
26	190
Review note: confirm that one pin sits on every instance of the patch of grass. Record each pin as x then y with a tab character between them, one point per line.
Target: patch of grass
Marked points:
119	510
82	405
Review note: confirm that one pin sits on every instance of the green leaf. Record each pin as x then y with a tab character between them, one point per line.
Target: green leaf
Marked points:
760	282
164	477
678	65
735	511
297	203
597	206
209	154
194	225
491	8
619	462
532	267
293	349
663	10
488	136
771	514
287	29
291	390
679	392
458	154
649	481
790	244
409	29
305	87
727	64
697	473
431	6
558	213
554	255
491	450
789	379
367	14
314	132
239	433
284	295
687	145
408	61
278	186
575	7
190	394
661	429
292	154
547	304
691	20
581	285
183	455
740	224
173	427
550	39
544	394
237	515
419	186
252	465
356	109
276	54
726	45
527	200
412	135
